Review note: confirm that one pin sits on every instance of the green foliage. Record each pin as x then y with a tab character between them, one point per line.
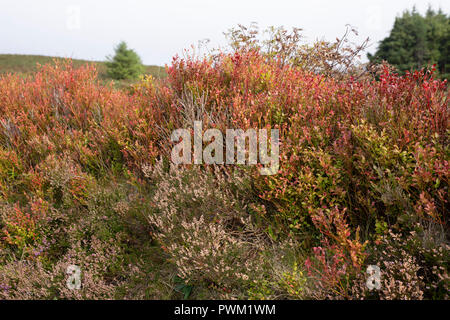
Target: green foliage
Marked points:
126	64
182	287
417	41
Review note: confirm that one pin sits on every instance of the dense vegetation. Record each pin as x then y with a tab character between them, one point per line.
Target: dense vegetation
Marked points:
418	41
85	179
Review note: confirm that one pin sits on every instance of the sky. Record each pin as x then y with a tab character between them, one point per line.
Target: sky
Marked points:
158	30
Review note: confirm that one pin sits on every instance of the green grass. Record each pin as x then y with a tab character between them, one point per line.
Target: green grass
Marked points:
27	64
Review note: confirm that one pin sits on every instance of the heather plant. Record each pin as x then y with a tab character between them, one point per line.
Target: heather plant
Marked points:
213	237
24	280
410	269
204	227
93	238
33	279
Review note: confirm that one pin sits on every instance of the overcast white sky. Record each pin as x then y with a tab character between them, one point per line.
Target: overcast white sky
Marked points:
157	30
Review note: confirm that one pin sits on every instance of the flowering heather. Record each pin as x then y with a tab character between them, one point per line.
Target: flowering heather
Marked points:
85	179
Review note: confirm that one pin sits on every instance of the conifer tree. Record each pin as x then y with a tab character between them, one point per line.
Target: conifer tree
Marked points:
126	63
416	42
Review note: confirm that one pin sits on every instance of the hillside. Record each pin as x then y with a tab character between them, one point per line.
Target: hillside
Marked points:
27	64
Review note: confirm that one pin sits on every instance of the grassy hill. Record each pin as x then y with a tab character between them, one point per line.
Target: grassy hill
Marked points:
27	64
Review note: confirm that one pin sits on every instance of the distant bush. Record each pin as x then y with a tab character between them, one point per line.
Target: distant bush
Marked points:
126	64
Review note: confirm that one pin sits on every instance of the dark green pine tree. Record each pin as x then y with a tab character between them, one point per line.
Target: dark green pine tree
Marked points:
126	64
417	41
439	40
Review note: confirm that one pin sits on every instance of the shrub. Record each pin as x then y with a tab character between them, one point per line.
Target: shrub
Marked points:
204	227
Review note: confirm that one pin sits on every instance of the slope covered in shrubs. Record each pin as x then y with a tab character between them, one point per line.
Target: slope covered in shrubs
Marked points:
85	179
